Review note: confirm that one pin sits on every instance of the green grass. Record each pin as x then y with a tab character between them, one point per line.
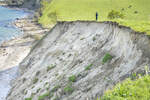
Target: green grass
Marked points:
137	14
138	89
68	89
106	58
72	78
88	67
50	67
28	98
47	95
55	88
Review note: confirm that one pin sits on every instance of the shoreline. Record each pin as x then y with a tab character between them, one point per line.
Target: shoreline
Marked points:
14	50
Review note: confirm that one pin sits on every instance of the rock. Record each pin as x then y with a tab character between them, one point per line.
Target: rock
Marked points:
31	4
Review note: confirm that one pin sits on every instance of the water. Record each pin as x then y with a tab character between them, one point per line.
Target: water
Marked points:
5	81
8	31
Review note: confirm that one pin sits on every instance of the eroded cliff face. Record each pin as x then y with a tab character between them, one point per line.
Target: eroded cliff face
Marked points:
30	4
72	46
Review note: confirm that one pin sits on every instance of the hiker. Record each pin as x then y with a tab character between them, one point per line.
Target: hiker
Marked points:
96	16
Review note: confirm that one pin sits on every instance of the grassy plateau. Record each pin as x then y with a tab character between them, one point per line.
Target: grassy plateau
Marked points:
136	12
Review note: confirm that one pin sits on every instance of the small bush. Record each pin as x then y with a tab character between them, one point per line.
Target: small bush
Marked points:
28	98
88	67
115	14
106	58
35	80
72	78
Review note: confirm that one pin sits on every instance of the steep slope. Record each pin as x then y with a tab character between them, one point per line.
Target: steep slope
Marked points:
77	49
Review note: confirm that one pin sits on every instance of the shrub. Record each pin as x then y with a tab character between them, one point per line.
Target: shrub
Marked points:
115	14
28	98
72	78
88	67
130	90
106	58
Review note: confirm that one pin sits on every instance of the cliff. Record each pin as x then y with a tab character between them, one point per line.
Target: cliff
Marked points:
68	63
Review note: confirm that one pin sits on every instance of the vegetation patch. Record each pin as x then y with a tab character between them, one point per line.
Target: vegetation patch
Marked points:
72	78
47	95
88	67
55	88
50	67
106	58
115	14
68	89
130	90
94	38
28	98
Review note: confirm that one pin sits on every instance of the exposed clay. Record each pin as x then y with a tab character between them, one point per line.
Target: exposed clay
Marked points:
71	46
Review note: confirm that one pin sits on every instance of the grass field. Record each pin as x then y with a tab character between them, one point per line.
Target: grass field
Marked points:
137	12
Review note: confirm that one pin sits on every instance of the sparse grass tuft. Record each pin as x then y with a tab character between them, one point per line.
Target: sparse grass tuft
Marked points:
94	38
68	88
28	98
106	58
55	88
72	78
47	95
88	67
50	67
35	80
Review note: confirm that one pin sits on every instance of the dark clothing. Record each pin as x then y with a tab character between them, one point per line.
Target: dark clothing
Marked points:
96	16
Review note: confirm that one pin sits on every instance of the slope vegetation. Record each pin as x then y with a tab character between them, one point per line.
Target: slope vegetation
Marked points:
79	61
136	12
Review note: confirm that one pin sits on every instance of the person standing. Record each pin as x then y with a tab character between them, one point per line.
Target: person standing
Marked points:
96	16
